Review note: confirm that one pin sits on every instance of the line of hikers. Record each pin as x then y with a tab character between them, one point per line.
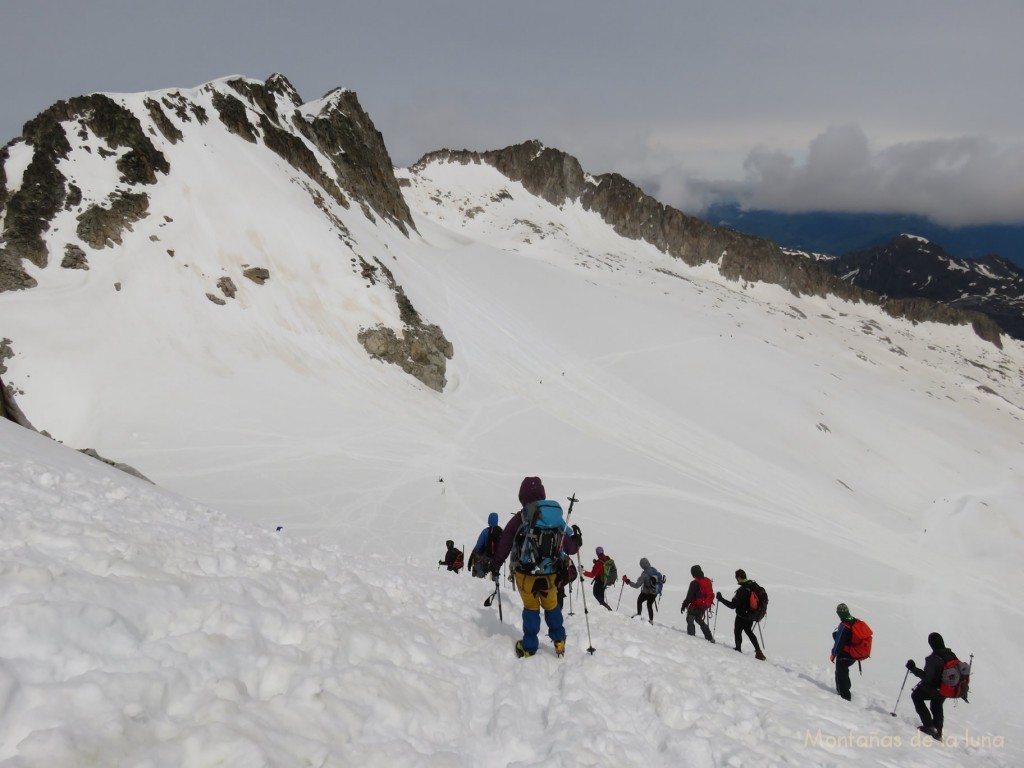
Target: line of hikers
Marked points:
538	543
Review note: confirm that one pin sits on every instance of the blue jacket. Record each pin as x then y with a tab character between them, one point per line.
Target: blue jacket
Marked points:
842	635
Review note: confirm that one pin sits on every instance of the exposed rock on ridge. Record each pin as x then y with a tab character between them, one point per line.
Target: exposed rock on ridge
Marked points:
45	190
558	178
422	350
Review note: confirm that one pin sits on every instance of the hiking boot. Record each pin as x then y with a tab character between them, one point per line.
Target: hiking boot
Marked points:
759	656
559	647
606	606
522	652
930	731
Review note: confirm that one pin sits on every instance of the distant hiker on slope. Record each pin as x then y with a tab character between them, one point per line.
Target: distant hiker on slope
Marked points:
649	584
482	556
452	558
747	612
603	575
536	539
934	687
699	597
842	637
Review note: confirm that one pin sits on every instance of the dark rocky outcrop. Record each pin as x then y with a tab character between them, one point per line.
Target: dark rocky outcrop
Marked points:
45	191
347	136
170	131
295	152
421	350
74	258
234	115
559	178
99	227
258	275
227	287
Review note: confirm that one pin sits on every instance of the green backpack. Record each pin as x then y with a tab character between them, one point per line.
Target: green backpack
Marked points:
609	575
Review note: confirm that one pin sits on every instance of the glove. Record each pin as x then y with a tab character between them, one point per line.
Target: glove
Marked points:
626	579
577	536
911	665
718	595
440	562
832	658
682	608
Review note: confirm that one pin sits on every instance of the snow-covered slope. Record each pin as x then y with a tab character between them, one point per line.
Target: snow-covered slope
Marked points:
144	629
833	452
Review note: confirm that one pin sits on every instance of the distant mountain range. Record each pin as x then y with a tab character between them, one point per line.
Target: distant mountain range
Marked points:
913	267
838	233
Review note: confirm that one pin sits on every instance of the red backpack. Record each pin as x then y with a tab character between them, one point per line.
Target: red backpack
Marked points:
860	640
706	598
956	679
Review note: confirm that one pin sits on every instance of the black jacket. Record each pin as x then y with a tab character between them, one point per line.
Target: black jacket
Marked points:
931	675
741	600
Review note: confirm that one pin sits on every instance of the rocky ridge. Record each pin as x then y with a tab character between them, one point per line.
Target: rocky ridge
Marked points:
558	177
331	143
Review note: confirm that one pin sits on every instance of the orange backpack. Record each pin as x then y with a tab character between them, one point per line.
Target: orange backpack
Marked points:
860	640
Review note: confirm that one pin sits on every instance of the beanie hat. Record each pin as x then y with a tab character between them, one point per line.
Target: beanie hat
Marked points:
492	519
844	612
936	642
697	572
645	563
531	490
599	551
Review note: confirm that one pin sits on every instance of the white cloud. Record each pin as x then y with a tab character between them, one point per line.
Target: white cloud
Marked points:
955	182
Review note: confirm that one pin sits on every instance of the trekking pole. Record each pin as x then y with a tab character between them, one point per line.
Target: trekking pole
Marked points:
579	566
497	588
570	600
759	632
893	713
620	596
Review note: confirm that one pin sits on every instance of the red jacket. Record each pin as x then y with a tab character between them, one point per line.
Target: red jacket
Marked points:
598	568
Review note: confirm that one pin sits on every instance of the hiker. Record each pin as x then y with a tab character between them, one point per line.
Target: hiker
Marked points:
486	545
537	538
746	614
602	574
649	584
840	656
699	597
928	690
452	558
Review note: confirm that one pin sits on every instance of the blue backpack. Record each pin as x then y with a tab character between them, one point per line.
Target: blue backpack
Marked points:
537	548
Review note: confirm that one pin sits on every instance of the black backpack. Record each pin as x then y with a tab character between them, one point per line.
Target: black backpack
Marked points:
757	601
493	538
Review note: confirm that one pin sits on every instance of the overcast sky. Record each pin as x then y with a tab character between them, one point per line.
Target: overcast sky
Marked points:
908	105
